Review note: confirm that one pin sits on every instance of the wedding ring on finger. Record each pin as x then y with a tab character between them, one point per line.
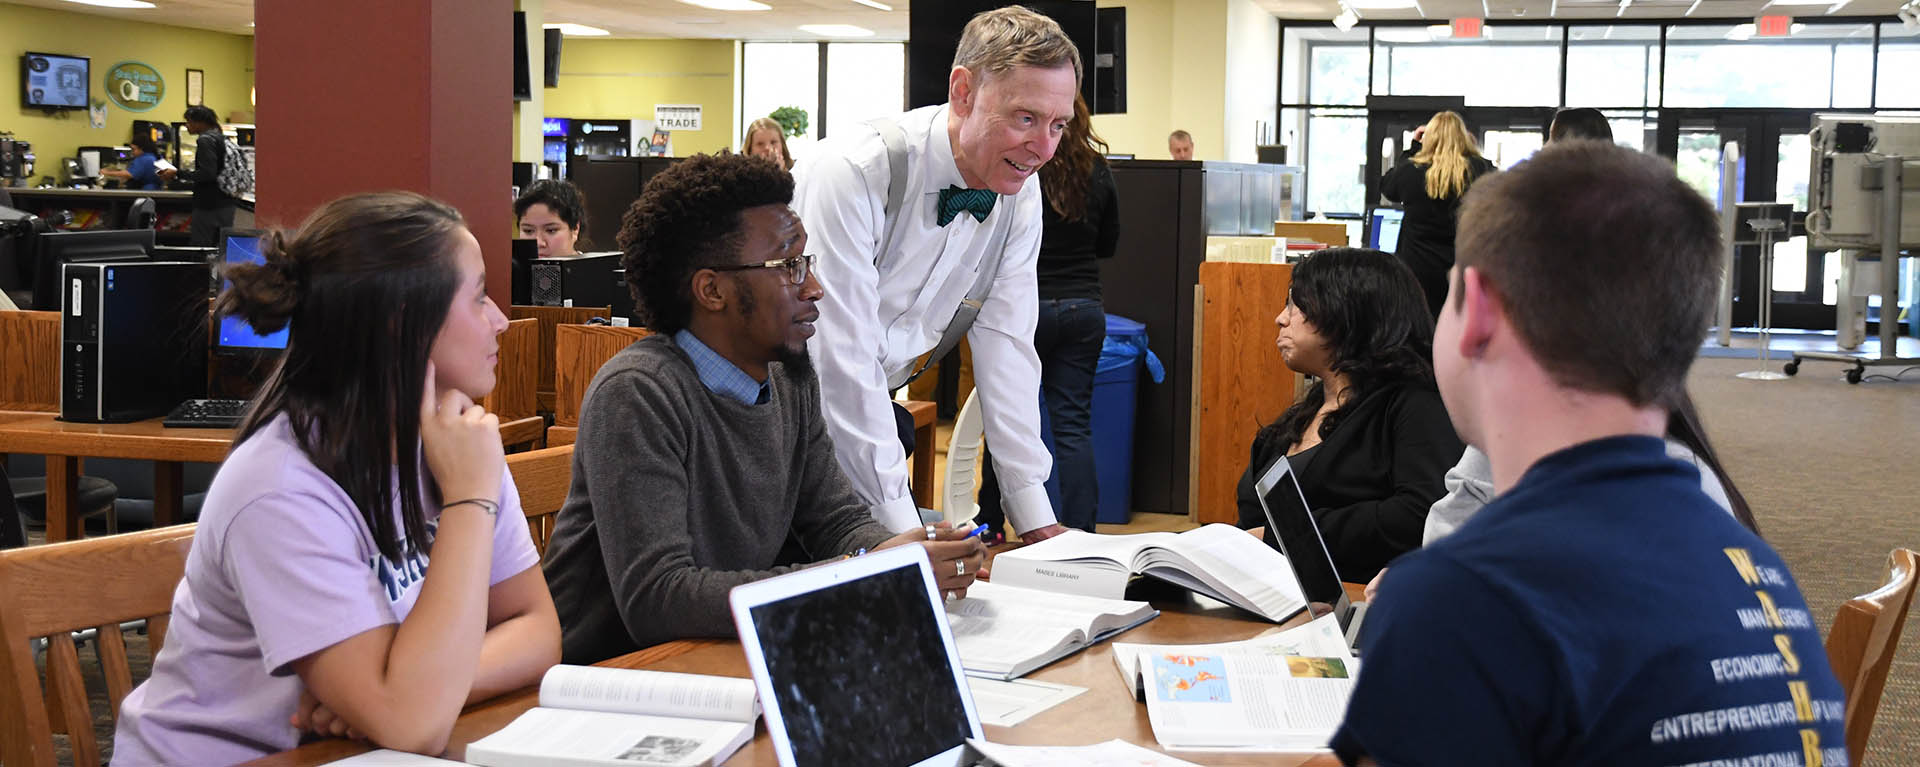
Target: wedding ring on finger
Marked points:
959	567
929	532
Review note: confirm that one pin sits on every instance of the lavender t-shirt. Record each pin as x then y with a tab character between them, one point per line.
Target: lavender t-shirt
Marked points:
282	566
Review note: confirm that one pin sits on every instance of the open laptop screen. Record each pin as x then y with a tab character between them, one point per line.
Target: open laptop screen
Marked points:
1290	523
860	671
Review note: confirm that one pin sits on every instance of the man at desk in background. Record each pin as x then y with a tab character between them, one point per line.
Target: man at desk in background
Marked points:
702	461
141	172
910	254
1180	145
212	208
1601	609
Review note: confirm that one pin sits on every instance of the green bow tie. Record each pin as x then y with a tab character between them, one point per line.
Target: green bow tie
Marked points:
953	199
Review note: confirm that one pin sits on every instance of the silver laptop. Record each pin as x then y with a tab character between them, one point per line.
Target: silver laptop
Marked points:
1291	526
855	664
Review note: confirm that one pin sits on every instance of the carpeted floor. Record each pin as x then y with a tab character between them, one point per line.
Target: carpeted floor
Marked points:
1833	473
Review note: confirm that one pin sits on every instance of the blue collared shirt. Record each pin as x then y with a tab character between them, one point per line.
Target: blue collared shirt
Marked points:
721	376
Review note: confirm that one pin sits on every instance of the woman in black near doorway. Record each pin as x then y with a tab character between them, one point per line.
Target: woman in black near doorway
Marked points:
1429	183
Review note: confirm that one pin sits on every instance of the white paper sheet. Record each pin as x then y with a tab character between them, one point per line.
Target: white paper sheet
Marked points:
1009	703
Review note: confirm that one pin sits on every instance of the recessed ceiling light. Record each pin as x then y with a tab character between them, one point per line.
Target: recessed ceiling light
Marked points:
571	29
836	30
1382	5
115	3
730	5
872	4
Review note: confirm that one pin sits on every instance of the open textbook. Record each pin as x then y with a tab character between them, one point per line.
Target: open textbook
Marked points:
1004	632
1284	691
1220	561
631	718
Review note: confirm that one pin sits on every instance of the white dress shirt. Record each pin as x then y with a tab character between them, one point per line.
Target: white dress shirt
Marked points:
877	320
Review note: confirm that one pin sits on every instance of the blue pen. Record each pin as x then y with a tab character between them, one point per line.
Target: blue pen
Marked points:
979	531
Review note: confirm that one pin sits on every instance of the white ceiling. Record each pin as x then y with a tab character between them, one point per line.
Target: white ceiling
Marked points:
671	18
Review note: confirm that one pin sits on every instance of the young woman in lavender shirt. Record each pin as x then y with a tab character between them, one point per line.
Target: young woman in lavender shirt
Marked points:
308	606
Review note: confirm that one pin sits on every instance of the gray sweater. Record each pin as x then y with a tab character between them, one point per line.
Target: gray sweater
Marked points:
679	494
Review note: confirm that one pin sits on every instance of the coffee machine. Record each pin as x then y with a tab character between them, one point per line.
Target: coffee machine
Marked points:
16	161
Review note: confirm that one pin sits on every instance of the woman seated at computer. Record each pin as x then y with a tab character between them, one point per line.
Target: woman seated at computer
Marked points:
309	602
1370	441
552	213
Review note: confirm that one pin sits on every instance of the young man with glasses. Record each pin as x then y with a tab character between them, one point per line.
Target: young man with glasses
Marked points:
703	461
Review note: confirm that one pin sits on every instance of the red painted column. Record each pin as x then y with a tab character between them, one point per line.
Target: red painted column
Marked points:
370	95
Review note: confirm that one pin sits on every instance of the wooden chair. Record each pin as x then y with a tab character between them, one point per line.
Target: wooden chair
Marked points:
54	590
516	377
548	318
1860	648
578	353
543	478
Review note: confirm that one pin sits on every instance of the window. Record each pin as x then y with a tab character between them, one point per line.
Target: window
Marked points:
1327	66
1726	66
1898	88
864	81
1336	155
1613	66
775	75
1507	66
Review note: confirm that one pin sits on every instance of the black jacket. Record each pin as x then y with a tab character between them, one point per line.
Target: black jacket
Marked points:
209	156
1068	266
1372	480
1427	230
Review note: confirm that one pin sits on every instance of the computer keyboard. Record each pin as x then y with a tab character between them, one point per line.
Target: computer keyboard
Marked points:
207	414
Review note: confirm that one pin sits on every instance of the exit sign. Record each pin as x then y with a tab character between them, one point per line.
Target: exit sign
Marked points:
1772	26
1466	28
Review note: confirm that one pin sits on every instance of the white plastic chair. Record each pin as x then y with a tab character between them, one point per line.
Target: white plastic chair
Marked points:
957	503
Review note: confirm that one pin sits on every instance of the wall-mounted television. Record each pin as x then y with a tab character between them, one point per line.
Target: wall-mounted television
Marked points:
55	81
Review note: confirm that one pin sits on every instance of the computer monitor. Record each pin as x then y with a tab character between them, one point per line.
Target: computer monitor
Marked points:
236	337
1383	229
57	249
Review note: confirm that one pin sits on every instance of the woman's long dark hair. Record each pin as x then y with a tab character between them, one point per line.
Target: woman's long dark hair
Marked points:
366	284
1372	313
1066	178
1683	424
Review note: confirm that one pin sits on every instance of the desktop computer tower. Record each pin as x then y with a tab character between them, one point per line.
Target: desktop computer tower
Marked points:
133	339
588	279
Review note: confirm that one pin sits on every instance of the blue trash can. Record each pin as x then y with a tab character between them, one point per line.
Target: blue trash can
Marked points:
1116	382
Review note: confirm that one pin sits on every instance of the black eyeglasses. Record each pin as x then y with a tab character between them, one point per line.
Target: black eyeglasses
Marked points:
797	267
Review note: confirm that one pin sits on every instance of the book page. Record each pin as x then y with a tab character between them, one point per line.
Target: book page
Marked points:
1229	559
387	758
1008	703
1078	544
1320	637
1113	753
659	693
1249	698
547	735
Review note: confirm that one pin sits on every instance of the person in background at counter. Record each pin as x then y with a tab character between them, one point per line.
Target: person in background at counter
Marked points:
1180	145
140	172
765	138
212	207
552	213
954	255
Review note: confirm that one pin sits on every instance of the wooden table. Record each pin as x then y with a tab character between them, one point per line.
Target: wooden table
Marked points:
1104	712
65	443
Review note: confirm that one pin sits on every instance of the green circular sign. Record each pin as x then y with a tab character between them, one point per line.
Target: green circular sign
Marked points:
136	87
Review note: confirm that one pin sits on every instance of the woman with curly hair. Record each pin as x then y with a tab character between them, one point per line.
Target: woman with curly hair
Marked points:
1370	441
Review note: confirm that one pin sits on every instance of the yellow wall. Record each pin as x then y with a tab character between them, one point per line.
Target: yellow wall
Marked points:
1176	64
624	79
227	60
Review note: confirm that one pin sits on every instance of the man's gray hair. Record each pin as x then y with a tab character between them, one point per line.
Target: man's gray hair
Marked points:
997	41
